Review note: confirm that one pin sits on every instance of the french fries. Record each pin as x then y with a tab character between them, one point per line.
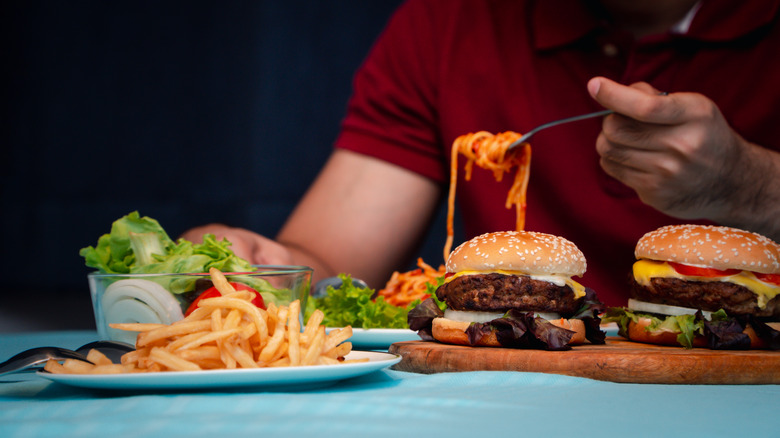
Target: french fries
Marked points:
225	332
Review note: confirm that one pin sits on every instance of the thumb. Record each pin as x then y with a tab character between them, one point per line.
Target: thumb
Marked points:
606	91
594	85
639	101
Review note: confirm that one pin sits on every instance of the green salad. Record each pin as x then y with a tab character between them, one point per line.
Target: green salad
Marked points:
358	307
140	245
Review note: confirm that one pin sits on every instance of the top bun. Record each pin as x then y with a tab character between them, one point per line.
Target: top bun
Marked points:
711	246
526	252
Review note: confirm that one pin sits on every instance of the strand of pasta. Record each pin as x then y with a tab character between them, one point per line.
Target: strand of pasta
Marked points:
489	152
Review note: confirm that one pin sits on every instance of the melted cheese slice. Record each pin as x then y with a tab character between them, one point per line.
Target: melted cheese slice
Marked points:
558	280
644	270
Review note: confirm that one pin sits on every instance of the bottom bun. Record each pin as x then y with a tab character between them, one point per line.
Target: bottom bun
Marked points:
454	332
575	325
637	331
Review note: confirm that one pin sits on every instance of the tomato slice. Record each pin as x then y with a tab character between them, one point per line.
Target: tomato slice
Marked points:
212	292
696	271
257	300
208	293
768	278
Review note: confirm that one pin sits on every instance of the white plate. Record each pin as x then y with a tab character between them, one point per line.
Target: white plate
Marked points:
286	378
378	337
610	328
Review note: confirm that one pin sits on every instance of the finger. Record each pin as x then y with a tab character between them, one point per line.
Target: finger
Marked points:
269	252
619	162
624	132
641	101
242	248
638	168
195	235
615	159
651	187
645	87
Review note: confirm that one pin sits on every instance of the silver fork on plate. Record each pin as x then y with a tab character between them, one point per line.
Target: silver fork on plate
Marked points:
34	356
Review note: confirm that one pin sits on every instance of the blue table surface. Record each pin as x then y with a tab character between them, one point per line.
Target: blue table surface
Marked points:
385	403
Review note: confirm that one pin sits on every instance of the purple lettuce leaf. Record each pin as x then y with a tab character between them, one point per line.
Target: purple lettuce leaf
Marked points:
421	317
725	335
765	333
522	330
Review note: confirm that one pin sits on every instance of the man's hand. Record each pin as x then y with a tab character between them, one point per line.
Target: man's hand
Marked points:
362	216
681	157
257	249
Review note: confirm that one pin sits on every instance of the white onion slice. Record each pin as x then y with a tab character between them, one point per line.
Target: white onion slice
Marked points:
474	316
548	315
663	309
143	301
470	316
128	311
558	280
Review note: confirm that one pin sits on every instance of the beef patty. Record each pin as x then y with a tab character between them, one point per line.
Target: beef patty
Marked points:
498	293
705	295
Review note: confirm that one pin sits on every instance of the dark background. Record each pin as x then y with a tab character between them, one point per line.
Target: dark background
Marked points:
189	112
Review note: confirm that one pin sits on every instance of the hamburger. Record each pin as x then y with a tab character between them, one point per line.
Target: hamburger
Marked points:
703	286
512	289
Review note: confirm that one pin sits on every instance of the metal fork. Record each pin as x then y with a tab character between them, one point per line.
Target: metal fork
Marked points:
529	134
35	356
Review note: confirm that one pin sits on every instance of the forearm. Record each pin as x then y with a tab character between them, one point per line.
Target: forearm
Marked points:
303	257
362	217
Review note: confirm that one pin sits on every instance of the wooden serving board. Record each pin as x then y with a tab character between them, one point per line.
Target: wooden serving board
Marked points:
616	361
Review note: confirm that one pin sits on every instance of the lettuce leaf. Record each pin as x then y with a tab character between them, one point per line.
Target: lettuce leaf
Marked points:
686	326
515	329
420	318
139	245
589	313
524	330
721	331
355	306
727	335
767	333
114	252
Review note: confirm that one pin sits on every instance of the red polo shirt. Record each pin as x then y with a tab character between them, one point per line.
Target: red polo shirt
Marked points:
443	68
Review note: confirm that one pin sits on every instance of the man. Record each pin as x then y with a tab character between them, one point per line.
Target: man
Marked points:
707	151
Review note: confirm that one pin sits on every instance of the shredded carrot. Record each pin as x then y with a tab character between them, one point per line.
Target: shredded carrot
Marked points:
405	287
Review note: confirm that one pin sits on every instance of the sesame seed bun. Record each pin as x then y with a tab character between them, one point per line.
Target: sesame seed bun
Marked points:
525	252
711	246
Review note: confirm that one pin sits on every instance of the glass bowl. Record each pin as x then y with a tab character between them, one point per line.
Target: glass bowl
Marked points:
165	298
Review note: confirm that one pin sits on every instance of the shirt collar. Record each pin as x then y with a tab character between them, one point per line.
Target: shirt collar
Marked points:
682	26
724	20
711	20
